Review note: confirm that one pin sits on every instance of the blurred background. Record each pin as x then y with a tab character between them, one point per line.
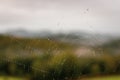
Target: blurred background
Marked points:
59	40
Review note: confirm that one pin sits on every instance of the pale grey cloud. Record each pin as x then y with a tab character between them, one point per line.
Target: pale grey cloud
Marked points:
102	15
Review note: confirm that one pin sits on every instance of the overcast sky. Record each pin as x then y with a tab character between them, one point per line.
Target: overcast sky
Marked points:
60	15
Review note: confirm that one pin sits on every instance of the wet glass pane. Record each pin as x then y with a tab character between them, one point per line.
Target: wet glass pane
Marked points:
59	40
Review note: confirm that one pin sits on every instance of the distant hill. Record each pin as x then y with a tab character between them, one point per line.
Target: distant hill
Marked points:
21	42
111	47
75	37
12	46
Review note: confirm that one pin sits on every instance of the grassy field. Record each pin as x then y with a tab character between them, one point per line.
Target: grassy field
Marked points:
11	78
104	78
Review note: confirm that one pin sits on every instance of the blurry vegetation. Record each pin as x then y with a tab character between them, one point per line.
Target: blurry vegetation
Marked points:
56	60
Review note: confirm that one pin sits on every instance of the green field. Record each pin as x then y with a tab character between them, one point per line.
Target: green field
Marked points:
11	78
104	78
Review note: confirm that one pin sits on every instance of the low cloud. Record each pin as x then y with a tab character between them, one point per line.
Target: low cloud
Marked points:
102	15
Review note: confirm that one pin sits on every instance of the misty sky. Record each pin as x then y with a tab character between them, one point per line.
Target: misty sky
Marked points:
60	15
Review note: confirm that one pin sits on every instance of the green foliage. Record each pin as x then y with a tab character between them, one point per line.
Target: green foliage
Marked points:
50	65
64	65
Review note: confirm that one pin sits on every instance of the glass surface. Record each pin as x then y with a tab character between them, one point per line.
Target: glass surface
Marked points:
59	40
